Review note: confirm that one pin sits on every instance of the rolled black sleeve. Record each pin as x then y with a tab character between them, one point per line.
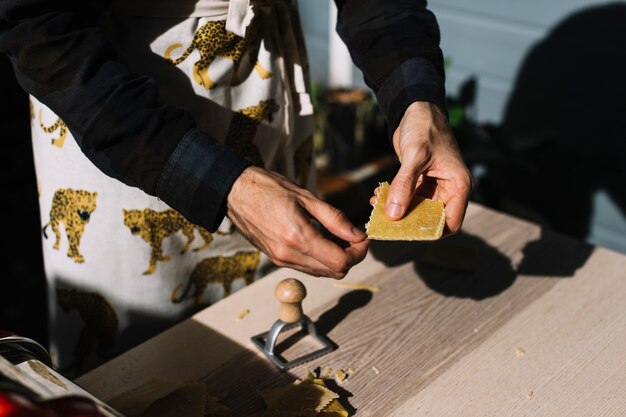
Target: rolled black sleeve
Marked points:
396	45
185	178
61	57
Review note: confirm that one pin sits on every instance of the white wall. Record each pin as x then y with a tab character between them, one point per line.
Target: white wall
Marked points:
314	15
490	39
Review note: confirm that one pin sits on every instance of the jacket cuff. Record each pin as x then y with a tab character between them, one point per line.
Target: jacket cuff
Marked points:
416	79
198	177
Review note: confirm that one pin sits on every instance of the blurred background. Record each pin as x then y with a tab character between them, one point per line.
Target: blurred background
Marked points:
537	100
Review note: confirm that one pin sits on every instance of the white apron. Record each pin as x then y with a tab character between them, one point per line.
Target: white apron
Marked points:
120	264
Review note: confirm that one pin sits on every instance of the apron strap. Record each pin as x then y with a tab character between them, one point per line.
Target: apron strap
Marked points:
239	16
279	23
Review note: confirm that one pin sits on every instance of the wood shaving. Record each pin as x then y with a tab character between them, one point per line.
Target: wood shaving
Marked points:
424	219
357	286
350	370
327	373
375	369
530	394
243	314
519	352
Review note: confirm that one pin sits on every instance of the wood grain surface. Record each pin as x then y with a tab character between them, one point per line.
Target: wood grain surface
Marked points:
442	332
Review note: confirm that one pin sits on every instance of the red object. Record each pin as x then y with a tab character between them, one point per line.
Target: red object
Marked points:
73	407
7	406
17	400
16	405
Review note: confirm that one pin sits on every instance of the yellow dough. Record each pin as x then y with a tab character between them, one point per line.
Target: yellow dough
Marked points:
424	220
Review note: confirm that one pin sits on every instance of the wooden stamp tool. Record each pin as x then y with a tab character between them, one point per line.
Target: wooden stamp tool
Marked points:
290	292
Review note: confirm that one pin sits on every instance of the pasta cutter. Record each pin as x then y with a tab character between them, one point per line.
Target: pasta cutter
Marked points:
290	292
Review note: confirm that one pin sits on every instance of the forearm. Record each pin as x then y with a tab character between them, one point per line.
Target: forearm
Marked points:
396	45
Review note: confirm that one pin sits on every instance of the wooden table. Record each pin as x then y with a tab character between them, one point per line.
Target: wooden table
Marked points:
538	329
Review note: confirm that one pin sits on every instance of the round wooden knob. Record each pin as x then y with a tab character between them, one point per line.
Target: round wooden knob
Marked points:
290	292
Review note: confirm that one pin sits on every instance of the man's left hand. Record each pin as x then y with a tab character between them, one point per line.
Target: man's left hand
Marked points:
431	165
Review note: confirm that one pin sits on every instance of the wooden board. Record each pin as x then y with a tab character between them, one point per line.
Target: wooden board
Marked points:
444	341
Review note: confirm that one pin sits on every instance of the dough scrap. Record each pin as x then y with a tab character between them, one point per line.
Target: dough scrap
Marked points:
303	398
425	219
242	315
340	375
357	286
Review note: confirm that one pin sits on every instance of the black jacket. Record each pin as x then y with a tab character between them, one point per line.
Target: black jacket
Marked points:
61	57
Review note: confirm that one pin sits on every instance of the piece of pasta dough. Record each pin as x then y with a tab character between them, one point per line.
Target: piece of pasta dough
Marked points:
307	397
424	219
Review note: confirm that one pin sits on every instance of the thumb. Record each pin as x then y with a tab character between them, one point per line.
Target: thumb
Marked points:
401	191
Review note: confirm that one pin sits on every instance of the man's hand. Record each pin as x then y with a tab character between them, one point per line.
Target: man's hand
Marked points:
431	165
275	215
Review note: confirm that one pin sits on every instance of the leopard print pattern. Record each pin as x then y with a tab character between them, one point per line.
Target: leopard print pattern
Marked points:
73	208
154	226
220	270
100	323
58	125
212	40
243	128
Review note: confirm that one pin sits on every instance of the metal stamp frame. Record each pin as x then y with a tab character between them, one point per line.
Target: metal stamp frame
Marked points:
266	342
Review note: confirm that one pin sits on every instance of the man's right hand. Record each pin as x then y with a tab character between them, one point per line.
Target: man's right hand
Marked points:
274	214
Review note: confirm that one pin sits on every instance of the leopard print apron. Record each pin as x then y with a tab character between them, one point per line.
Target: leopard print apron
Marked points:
121	265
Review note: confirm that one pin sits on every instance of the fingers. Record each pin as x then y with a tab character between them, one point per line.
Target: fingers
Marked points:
337	259
455	212
333	219
401	191
374	198
310	252
275	215
357	251
311	267
455	209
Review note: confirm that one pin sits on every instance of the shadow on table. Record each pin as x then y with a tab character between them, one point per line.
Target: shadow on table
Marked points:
239	378
466	266
88	323
179	355
247	372
554	255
